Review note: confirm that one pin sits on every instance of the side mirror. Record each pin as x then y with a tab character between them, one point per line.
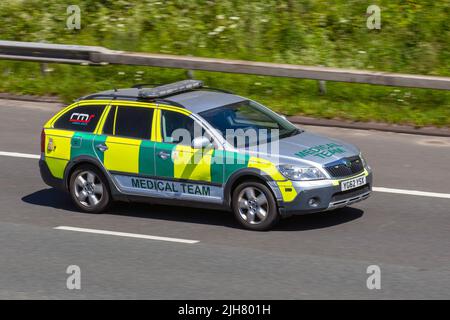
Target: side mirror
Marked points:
201	143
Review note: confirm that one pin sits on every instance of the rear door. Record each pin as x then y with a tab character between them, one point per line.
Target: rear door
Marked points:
127	149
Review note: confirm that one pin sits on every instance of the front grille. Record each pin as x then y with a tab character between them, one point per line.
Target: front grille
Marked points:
350	193
341	170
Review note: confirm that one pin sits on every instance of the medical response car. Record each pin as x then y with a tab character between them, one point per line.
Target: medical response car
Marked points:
170	144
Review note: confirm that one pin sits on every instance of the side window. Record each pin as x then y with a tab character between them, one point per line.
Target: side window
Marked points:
133	122
179	128
82	118
108	127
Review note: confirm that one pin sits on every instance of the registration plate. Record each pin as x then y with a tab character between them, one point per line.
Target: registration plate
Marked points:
353	183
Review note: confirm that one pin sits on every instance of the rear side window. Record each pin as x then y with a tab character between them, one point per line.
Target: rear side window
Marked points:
133	122
82	118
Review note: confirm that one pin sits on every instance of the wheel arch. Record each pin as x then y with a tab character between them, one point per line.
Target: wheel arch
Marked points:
248	174
83	160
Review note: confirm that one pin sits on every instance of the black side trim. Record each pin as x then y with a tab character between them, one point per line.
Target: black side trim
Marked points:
175	202
48	178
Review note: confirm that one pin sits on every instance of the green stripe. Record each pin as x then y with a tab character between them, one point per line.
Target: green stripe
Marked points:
164	168
225	163
217	161
83	143
146	158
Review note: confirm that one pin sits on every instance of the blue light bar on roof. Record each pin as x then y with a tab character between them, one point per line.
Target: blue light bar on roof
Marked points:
169	89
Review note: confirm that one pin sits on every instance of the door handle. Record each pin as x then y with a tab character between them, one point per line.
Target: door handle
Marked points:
163	155
102	147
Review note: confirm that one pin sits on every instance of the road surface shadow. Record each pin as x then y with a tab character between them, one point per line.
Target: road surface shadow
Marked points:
58	199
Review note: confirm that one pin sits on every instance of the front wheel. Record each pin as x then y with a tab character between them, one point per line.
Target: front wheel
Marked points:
89	189
254	206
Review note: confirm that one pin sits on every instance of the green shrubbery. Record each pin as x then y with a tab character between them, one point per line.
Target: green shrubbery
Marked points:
415	38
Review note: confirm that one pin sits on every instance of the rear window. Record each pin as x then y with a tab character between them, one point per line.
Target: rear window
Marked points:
82	118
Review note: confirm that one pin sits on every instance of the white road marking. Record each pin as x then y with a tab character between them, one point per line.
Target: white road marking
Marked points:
125	234
413	192
19	155
376	189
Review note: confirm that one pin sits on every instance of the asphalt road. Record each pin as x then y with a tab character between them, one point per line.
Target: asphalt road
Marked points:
316	256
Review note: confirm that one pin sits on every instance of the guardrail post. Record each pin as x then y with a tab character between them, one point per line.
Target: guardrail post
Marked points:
322	87
190	74
44	68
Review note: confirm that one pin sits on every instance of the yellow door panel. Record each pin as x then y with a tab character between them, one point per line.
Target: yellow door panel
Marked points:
192	164
122	154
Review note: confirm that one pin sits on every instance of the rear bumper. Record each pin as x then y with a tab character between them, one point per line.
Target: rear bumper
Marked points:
328	197
48	178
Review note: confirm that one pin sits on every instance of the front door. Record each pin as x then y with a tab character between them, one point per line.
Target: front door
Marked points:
188	168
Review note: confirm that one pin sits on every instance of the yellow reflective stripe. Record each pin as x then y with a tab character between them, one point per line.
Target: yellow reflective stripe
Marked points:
102	120
287	190
156	126
114	121
268	167
52	120
133	103
192	164
59	132
122	154
286	187
94	102
337	181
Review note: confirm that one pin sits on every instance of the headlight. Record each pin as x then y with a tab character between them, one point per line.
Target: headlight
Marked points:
293	172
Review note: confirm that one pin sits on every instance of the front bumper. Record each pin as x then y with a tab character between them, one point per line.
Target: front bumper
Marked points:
328	195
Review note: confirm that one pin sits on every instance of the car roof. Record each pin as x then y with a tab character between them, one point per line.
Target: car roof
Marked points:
202	100
196	101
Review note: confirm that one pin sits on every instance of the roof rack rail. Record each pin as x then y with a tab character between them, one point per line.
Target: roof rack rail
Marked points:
103	95
131	98
170	89
217	89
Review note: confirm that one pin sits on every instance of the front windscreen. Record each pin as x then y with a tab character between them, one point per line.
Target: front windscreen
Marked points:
245	116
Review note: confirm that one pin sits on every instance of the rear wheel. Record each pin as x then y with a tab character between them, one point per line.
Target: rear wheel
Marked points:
89	189
254	206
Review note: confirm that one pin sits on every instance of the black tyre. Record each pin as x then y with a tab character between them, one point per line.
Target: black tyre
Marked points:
254	206
89	189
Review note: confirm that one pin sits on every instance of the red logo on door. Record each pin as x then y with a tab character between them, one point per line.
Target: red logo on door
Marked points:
81	118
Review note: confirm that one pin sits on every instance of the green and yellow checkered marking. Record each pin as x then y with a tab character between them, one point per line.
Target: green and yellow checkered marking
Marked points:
138	157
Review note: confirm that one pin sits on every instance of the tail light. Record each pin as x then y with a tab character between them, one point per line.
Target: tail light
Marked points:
43	141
